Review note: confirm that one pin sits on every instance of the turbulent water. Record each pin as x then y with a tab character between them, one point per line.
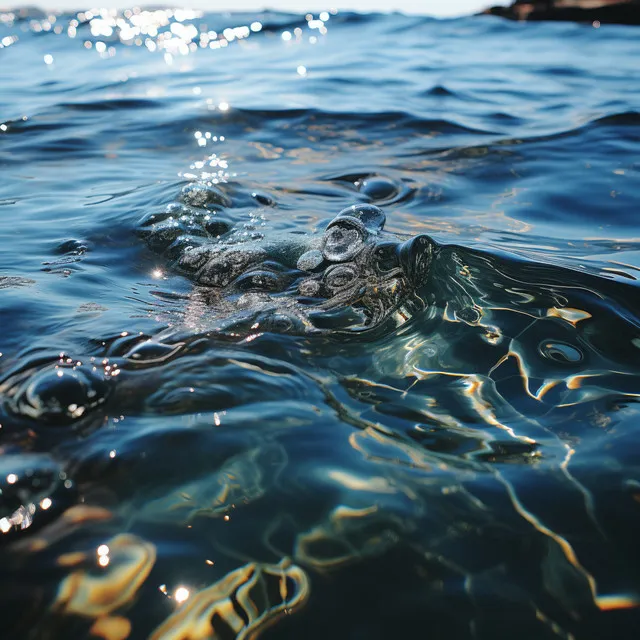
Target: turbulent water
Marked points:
229	410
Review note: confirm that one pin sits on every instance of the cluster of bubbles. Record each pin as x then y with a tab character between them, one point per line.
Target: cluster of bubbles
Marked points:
353	276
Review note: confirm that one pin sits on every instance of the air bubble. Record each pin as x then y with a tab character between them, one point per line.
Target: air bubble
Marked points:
310	260
339	277
259	281
342	242
371	217
378	188
60	396
309	288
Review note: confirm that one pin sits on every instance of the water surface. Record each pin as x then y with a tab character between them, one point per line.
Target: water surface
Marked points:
451	452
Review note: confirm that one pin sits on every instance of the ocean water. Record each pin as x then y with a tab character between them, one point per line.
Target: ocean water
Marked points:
230	412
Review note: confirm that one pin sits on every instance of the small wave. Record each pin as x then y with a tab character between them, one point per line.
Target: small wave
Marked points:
365	120
123	104
442	91
626	119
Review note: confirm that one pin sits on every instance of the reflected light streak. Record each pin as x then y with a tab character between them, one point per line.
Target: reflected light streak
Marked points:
572	316
473	390
281	588
613	602
563	543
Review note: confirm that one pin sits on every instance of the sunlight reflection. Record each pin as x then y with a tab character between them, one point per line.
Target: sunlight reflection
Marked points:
181	595
173	32
244	601
94	595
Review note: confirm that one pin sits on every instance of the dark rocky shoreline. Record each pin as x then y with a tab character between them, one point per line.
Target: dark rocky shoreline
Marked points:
620	12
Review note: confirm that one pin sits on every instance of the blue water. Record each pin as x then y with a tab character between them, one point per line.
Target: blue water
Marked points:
227	413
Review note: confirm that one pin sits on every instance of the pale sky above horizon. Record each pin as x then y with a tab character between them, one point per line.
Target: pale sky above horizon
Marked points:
426	7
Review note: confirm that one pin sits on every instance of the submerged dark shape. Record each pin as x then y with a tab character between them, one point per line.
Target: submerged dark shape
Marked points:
355	276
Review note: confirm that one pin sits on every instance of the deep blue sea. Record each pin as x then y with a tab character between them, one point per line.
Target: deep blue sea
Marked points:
320	326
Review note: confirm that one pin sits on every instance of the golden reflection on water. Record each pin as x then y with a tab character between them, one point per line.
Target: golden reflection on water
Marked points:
212	613
347	535
72	519
95	592
572	316
375	446
111	628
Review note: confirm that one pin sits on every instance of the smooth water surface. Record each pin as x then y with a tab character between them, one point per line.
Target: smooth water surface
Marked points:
228	413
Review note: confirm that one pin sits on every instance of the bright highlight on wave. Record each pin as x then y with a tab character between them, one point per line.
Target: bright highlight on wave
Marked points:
172	32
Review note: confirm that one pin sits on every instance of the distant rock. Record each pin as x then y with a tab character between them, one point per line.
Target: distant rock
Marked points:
596	12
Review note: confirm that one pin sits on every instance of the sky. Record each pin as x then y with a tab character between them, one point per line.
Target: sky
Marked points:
426	7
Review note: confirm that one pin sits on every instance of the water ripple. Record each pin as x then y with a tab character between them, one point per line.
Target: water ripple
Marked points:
302	313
